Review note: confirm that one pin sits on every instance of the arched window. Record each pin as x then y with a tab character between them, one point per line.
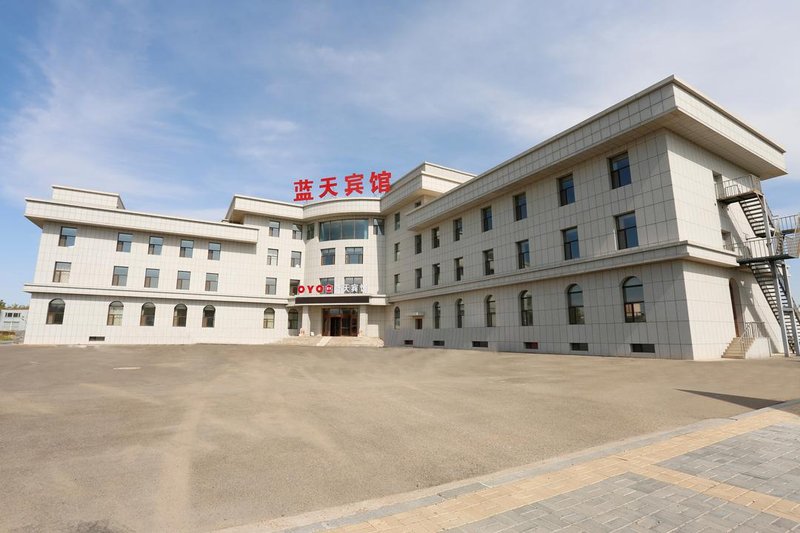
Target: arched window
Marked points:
269	318
208	316
525	308
489	304
294	319
459	313
633	297
114	314
437	315
148	316
575	304
179	316
55	311
396	318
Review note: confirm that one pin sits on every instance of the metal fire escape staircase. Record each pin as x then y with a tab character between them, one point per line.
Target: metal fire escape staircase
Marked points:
774	241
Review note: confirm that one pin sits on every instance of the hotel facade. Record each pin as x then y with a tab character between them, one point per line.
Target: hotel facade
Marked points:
642	231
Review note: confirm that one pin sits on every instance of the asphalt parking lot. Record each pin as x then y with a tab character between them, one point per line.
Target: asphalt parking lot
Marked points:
208	437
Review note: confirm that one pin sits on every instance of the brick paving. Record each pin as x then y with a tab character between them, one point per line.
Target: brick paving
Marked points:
740	474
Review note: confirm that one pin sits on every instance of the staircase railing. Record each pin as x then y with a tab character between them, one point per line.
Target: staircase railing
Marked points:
753	330
730	188
787	224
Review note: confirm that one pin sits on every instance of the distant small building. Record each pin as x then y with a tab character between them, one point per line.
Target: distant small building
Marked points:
13	319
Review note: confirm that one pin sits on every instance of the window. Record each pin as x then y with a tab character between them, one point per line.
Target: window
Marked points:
626	231
633	298
620	171
579	347
458	229
328	282
328	256
67	237
490	305
417	244
296	259
418	278
120	276
437	271
488	262
417	322
214	251
377	226
643	348
435	238
272	286
438	343
309	233
480	344
184	278
55	311
151	278
187	247
61	272
459	313
293	285
294	319
458	263
486	218
354	284
571	248
156	243
437	315
396	251
396	282
269	318
397	221
148	315
212	282
523	254
272	256
396	318
575	304
114	317
124	241
208	316
179	316
531	345
417	203
520	207
525	308
566	191
274	228
336	230
354	255
297	232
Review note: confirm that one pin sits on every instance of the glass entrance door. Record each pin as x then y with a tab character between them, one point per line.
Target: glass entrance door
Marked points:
340	322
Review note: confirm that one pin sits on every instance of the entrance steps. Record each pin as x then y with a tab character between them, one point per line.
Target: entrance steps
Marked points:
317	340
747	348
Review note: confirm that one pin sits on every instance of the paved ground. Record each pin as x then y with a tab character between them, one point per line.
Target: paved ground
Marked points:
719	475
207	437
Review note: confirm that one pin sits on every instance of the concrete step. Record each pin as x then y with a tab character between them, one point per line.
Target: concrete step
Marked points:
318	340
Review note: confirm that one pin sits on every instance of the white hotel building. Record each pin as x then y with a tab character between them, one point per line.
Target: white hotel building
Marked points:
640	231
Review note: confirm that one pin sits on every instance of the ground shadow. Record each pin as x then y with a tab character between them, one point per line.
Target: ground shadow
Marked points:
744	401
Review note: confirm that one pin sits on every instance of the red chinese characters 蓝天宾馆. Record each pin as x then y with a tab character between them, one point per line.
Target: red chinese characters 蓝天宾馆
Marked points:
380	182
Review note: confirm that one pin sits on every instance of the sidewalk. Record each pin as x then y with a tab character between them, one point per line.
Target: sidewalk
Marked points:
739	474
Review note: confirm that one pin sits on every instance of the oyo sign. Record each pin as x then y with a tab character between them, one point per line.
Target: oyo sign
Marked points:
347	288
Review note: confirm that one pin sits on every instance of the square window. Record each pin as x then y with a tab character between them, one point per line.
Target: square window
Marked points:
566	191
151	278
523	254
520	207
486	218
293	285
61	272
271	286
620	170
120	276
571	247
627	237
417	278
184	278
417	244
212	282
579	346
156	243
435	238
436	273
459	268
187	248
328	256
124	241
297	232
296	259
458	229
354	255
488	262
272	256
643	348
214	251
274	228
67	237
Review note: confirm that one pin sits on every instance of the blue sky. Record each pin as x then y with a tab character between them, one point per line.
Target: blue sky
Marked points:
178	105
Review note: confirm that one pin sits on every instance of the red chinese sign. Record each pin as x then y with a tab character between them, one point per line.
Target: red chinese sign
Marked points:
354	184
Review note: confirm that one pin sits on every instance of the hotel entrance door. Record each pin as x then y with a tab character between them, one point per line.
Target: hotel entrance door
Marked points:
338	322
